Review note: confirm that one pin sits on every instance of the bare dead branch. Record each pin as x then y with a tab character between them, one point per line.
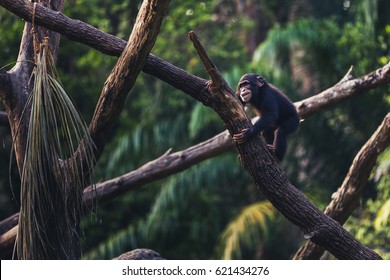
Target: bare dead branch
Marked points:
345	89
346	199
210	67
273	182
8	223
193	155
70	28
16	94
122	77
140	254
159	168
126	70
108	44
86	34
180	81
7	242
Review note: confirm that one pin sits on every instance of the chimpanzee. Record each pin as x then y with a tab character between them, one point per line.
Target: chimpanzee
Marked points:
279	117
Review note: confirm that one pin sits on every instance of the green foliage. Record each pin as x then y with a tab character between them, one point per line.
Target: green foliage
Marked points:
247	231
189	212
371	223
10	37
202	119
183	205
382	220
126	238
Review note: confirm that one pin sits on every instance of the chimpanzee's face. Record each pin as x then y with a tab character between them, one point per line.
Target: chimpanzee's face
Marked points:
245	91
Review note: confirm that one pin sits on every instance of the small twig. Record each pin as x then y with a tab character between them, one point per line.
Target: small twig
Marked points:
348	76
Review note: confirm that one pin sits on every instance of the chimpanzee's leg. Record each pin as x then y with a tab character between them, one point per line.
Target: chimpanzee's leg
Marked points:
288	127
280	144
269	135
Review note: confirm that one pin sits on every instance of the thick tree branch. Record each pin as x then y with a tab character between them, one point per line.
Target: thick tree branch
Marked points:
272	181
345	89
20	87
123	75
159	168
8	223
8	231
169	164
234	125
86	34
212	147
346	199
73	29
126	70
7	242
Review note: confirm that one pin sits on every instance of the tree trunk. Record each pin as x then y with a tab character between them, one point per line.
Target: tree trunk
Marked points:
255	158
271	180
15	88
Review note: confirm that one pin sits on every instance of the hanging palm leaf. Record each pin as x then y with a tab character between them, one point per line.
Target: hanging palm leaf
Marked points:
52	178
246	230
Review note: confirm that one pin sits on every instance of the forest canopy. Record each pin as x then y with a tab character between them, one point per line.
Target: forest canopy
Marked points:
208	207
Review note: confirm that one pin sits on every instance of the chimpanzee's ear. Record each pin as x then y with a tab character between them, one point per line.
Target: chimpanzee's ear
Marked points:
260	81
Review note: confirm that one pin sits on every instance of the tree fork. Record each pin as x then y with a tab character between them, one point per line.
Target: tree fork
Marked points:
130	62
380	76
84	33
271	180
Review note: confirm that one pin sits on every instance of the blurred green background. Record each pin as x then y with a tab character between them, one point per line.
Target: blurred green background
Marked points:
213	210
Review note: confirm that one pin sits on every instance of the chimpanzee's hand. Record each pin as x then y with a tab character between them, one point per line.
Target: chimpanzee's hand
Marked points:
243	136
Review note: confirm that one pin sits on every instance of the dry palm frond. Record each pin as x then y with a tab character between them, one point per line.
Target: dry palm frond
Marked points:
52	177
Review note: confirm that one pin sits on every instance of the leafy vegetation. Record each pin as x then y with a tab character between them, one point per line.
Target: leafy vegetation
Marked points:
212	210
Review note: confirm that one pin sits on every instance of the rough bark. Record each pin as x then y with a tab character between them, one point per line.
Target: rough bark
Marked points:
346	199
7	242
272	181
18	83
116	89
15	97
164	166
256	159
169	164
8	223
344	89
140	254
108	44
126	70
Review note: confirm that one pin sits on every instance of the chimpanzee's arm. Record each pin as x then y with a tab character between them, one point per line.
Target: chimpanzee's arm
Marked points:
269	114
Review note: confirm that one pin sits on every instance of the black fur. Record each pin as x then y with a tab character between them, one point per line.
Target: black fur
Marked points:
279	117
